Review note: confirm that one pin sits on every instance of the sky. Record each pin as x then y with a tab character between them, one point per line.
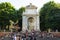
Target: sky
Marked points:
22	3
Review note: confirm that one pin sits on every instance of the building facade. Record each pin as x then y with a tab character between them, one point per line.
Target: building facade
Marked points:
30	18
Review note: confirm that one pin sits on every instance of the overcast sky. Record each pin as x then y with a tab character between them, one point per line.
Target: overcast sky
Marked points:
22	3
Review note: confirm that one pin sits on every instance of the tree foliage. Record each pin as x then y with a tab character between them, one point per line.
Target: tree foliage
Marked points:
6	11
20	11
49	16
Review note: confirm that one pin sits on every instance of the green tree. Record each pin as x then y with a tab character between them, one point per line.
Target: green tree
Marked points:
5	10
48	15
20	11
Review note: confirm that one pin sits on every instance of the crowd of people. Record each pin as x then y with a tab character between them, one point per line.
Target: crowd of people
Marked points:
33	35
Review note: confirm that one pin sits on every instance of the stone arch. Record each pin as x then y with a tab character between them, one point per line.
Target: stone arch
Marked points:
30	19
30	23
